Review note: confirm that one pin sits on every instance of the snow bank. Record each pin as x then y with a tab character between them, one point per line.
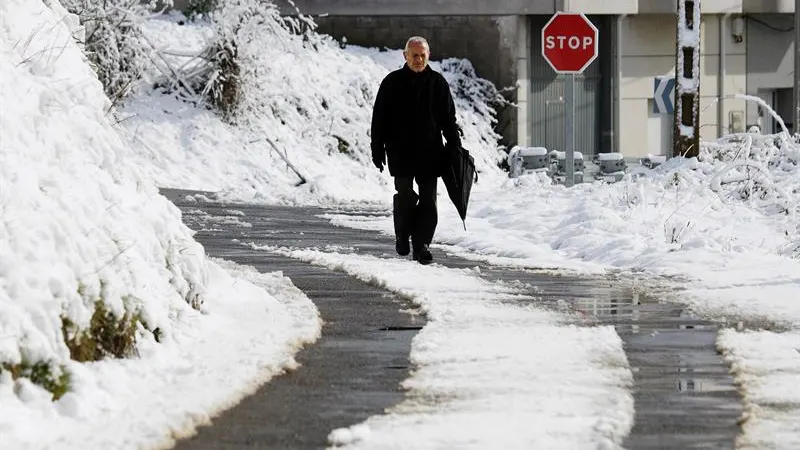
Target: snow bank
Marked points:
78	227
91	254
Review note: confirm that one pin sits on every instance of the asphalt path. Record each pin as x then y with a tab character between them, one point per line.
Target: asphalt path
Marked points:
684	396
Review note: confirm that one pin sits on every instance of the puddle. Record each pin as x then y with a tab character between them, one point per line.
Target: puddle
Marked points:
683	389
667	340
400	328
684	396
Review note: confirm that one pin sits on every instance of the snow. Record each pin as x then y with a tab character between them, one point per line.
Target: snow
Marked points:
82	221
610	156
768	365
532	151
659	159
563	155
81	226
485	355
252	328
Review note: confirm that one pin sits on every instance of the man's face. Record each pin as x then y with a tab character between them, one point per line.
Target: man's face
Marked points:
417	56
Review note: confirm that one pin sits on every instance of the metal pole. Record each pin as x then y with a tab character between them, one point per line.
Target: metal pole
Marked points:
796	66
569	128
722	73
618	88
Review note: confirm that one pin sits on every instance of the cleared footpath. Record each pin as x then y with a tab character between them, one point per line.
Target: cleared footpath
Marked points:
684	396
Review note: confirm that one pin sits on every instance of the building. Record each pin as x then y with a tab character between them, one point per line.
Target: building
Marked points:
747	48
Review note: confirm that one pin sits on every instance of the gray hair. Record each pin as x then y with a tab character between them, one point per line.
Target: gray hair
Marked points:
417	40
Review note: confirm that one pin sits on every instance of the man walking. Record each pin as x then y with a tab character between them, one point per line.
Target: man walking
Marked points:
413	109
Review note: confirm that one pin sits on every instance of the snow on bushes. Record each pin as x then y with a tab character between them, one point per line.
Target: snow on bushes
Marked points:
477	101
266	72
741	175
112	40
751	166
93	258
761	170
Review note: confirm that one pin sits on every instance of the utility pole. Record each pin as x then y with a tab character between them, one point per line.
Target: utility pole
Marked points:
796	118
687	80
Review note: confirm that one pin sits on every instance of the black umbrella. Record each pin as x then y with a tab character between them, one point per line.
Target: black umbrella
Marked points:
458	175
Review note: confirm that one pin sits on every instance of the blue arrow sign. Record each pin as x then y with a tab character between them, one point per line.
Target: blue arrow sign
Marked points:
663	92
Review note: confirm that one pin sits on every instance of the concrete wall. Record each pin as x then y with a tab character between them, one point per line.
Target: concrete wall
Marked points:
648	50
527	7
489	42
519	7
770	63
706	6
460	7
419	7
768	6
599	7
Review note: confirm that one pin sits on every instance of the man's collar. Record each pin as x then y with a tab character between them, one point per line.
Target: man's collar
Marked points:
424	71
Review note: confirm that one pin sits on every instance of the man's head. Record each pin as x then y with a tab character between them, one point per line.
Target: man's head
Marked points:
417	53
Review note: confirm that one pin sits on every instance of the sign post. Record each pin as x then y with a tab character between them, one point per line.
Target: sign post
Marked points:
686	127
569	45
569	129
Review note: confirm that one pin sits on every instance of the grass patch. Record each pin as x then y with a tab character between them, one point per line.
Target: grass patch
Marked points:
225	86
199	7
42	374
107	336
342	145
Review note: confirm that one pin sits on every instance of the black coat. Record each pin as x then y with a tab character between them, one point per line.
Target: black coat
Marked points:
412	111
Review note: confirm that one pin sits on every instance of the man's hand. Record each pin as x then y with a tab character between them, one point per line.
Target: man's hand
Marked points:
379	162
378	155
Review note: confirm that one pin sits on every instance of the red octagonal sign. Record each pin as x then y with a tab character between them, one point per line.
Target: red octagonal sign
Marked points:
569	42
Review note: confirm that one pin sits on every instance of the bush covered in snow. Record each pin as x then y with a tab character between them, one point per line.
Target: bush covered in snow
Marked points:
198	8
759	168
112	40
240	29
741	174
222	75
93	258
266	72
287	90
477	102
762	170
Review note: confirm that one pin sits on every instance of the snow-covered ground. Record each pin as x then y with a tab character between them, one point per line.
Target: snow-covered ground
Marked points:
82	222
80	226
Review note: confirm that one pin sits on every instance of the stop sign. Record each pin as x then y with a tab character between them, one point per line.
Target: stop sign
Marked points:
569	42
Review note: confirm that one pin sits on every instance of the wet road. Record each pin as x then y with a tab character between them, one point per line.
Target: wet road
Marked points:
684	396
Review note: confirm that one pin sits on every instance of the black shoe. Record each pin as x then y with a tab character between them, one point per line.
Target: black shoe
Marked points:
401	245
422	255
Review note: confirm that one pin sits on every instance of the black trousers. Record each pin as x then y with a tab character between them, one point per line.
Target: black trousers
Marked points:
415	215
